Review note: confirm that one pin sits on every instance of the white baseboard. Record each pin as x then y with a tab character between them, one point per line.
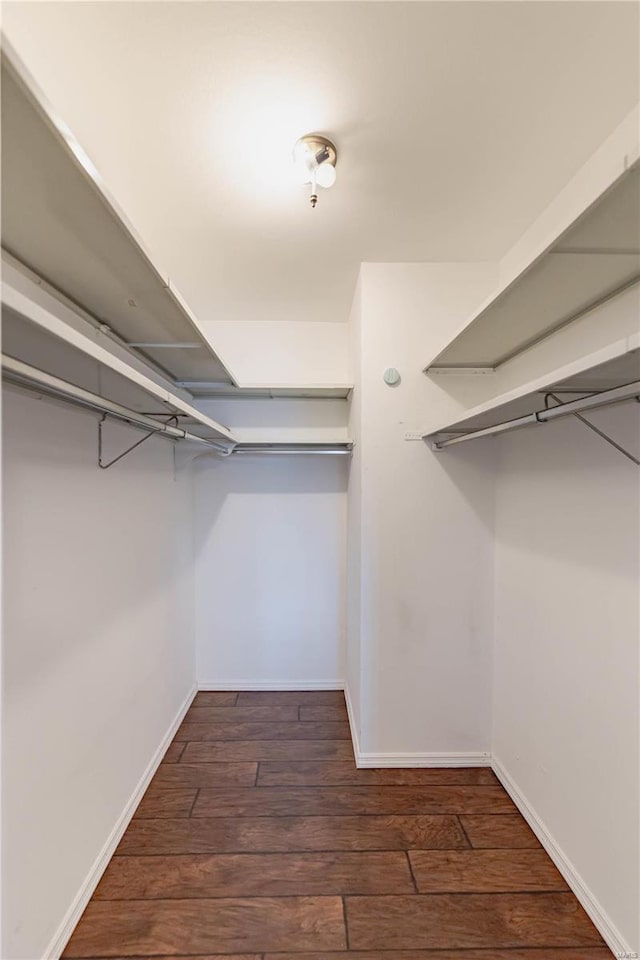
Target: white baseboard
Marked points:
599	917
363	760
424	760
66	928
271	684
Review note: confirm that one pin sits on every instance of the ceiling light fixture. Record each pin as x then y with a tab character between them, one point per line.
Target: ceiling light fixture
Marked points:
315	158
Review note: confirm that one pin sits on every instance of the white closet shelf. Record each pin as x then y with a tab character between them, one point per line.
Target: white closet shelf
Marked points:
52	320
59	220
601	373
582	251
23	301
227	391
24	375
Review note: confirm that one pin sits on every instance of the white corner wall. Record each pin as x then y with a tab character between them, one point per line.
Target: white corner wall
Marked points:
424	626
98	651
566	652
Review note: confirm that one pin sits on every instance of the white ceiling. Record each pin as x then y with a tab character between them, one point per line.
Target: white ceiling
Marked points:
456	123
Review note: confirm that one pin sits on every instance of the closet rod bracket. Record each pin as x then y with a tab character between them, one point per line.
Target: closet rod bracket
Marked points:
104	465
595	429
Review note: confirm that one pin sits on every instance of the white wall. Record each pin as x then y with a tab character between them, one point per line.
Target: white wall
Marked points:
98	648
270	571
566	651
283	420
425	528
270	551
353	667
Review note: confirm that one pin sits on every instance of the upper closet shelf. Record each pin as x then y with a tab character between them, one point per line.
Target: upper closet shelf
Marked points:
582	251
259	391
55	351
613	376
44	339
59	220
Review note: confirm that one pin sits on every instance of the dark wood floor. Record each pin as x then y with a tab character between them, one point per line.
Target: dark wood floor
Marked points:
258	839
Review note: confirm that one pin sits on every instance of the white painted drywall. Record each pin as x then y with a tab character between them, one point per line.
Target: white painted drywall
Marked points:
98	648
270	551
276	353
566	649
285	420
353	660
426	550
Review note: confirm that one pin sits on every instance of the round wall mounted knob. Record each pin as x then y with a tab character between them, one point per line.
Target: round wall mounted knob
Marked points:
391	376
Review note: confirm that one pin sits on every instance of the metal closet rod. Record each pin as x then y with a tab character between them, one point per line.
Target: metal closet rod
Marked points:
328	450
628	391
32	378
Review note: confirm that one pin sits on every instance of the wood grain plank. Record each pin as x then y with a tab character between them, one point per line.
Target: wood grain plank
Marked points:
468	920
203	752
204	774
340	801
263	731
333	773
537	953
243	714
166	803
189	775
147	927
215	698
174	752
255	875
266	834
484	871
320	712
210	956
499	832
331	698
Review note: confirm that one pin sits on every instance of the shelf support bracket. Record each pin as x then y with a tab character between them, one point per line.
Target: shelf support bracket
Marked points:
104	465
595	429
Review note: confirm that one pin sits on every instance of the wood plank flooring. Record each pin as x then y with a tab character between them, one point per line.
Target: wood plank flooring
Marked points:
258	839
